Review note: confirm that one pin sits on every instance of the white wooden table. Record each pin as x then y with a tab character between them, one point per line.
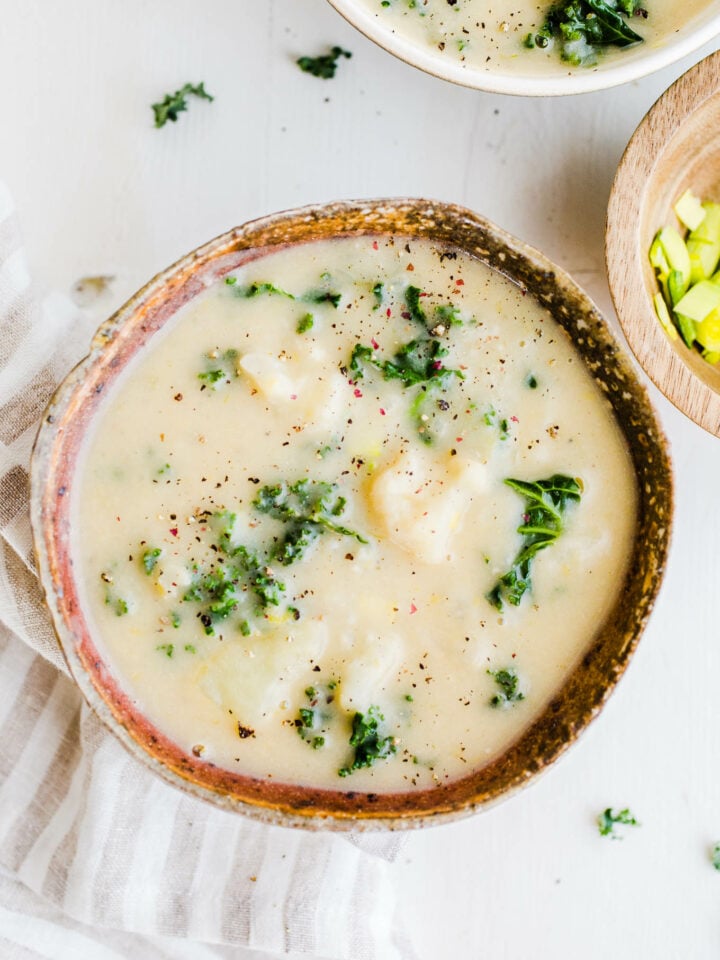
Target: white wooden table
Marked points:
100	191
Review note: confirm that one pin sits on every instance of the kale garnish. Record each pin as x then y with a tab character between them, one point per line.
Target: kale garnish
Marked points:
416	363
607	820
221	588
509	690
369	744
150	558
310	719
546	502
325	65
175	103
264	288
583	27
308	508
221	367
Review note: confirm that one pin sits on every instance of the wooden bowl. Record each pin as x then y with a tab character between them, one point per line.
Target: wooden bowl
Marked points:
71	414
676	147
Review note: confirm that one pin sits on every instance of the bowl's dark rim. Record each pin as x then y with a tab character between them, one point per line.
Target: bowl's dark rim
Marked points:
590	682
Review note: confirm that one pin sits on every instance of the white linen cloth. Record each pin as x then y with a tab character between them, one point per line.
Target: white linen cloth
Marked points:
98	857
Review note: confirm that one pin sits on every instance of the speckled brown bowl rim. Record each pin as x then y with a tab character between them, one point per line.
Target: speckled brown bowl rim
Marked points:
588	686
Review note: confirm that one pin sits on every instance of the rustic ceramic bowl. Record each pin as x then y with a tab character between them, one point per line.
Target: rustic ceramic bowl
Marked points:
76	403
498	77
676	147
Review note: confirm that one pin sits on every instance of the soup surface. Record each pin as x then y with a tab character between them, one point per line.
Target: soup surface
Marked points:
296	538
488	36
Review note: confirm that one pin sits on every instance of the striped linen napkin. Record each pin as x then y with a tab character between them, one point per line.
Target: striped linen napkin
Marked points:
98	857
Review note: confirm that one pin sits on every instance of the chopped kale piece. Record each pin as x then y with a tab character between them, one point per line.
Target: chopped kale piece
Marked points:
508	684
175	103
323	66
308	508
583	28
369	745
150	558
608	819
545	505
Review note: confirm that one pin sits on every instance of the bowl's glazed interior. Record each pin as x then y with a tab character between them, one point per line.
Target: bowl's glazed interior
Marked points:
587	687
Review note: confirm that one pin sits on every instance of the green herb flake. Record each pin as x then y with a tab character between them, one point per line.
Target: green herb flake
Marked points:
542	523
715	856
189	648
531	381
368	742
609	819
175	103
305	323
120	606
308	508
222	367
167	648
175	619
379	294
323	66
508	684
150	558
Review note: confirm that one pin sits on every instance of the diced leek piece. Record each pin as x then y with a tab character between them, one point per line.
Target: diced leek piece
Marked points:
687	328
703	244
677	285
707	332
658	258
664	316
676	253
699	301
689	210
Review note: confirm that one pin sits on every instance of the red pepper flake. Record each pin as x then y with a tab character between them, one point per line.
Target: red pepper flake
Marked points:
514	419
459	283
410	267
375	245
382	411
458	439
423	294
413	608
388	312
526	518
357	392
405	315
375	344
174	531
437	365
293	396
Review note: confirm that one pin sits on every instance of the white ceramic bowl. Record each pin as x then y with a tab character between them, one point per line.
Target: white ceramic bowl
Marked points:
635	62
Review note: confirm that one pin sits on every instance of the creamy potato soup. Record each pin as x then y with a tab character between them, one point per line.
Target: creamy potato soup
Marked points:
530	36
351	518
